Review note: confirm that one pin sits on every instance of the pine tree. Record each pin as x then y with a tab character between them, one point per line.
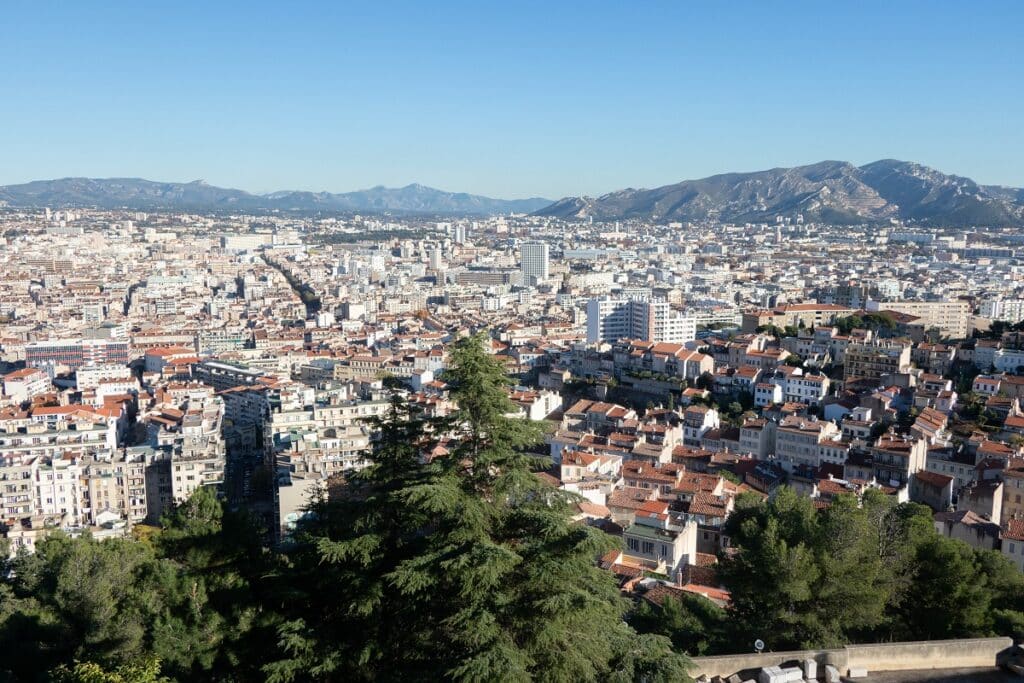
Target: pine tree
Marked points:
76	598
211	573
808	579
90	672
467	567
694	624
521	594
345	620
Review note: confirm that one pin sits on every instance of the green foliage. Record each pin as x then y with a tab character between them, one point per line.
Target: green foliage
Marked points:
91	610
972	405
998	328
731	411
876	322
946	599
90	672
860	573
694	624
200	515
729	476
466	567
77	598
776	331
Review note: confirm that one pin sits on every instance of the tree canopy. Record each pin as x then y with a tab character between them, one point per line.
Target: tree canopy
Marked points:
860	573
876	322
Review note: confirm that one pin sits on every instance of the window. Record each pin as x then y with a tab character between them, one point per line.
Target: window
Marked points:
648	548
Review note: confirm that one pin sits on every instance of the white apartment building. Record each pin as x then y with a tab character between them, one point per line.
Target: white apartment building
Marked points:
757	437
1009	310
22	385
950	317
698	421
610	319
1003	360
535	262
58	488
90	376
660	542
74	353
798	440
797	387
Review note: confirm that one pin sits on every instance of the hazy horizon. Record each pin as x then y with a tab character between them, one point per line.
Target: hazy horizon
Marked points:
369	187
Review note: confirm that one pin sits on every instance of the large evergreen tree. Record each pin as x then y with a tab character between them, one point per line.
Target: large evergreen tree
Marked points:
467	567
345	620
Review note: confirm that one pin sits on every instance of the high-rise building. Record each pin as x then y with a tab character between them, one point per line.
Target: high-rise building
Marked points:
534	258
610	319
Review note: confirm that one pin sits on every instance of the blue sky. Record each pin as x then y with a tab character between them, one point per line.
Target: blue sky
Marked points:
508	99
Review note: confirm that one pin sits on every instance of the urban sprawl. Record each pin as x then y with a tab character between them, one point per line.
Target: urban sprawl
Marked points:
676	366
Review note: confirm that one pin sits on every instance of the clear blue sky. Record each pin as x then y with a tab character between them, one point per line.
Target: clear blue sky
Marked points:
508	99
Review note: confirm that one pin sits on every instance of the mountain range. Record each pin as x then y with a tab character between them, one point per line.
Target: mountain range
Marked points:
136	193
830	191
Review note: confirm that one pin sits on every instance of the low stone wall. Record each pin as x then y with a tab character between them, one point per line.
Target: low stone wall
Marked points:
927	654
727	665
930	654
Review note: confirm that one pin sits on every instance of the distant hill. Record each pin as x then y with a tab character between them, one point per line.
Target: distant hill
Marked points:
136	193
829	191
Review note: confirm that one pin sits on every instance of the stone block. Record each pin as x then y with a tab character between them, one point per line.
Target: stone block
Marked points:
793	674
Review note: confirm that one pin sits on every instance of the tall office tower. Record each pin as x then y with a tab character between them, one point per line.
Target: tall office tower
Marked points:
435	258
460	234
534	257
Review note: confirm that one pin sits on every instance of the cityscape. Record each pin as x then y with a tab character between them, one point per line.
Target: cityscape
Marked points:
756	425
